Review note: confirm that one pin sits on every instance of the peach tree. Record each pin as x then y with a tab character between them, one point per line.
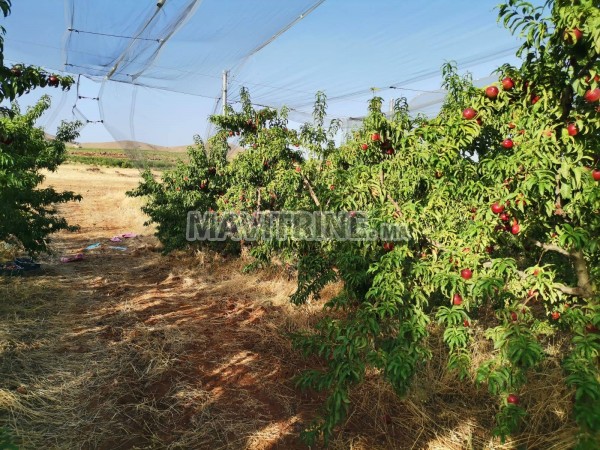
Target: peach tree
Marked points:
500	198
264	177
27	213
501	194
193	186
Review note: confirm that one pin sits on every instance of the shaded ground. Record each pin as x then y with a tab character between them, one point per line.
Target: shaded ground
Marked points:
154	351
132	349
149	356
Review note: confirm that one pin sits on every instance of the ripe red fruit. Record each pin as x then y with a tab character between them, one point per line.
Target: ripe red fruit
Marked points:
511	125
508	83
592	96
16	71
457	299
364	146
298	169
515	229
497	208
375	137
466	274
534	99
491	92
53	80
596	79
569	34
331	187
388	246
504	217
590	328
513	316
555	315
466	323
469	113
536	272
596	174
572	129
507	143
512	399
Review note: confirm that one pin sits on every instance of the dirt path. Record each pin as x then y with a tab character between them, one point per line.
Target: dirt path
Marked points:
132	349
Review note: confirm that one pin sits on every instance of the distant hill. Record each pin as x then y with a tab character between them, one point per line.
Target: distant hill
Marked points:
135	145
128	145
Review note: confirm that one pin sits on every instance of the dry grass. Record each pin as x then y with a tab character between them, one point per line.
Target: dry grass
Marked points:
138	350
104	207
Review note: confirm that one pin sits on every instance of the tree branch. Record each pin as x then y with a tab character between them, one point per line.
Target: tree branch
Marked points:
258	199
553	248
311	192
570	290
388	196
584	282
584	288
566	102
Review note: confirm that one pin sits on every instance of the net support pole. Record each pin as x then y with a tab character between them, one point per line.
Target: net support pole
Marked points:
224	92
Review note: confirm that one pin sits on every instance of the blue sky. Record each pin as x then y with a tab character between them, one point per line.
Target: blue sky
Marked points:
344	47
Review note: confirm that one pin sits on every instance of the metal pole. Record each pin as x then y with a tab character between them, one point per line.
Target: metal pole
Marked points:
224	92
391	106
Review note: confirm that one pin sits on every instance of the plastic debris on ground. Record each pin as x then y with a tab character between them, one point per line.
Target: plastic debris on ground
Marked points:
11	269
68	259
27	263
